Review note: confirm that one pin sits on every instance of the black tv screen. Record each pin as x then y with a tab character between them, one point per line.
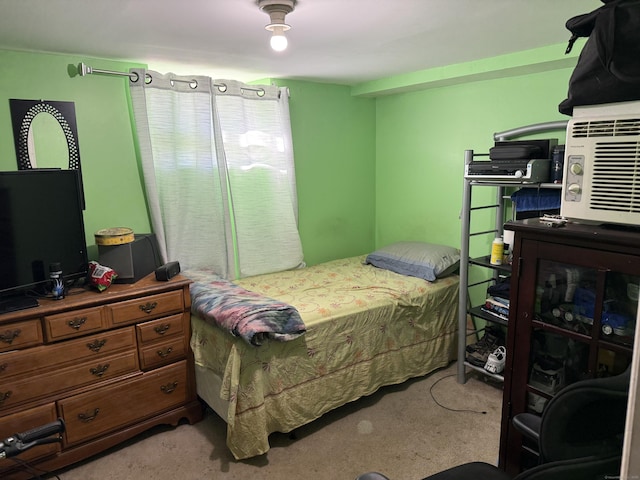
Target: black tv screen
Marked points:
41	223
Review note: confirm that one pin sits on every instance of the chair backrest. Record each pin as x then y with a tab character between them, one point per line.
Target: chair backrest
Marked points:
589	468
585	418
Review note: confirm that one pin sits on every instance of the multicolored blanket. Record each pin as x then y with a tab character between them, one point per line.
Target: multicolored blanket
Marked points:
245	314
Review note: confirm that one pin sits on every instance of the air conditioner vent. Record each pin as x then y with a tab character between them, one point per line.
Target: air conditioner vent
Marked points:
606	128
615	184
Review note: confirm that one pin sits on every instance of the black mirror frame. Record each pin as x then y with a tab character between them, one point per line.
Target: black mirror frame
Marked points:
23	112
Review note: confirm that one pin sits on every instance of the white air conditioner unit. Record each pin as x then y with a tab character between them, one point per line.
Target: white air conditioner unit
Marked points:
601	181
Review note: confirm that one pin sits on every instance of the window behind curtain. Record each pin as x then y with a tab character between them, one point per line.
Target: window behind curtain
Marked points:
219	174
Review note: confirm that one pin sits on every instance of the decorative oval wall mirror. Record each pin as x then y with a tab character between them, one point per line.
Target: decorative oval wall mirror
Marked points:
46	135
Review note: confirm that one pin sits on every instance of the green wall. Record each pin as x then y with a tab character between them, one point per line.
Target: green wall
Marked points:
334	145
421	137
372	168
112	185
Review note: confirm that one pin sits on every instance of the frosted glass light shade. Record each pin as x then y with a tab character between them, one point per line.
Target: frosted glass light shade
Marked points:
279	42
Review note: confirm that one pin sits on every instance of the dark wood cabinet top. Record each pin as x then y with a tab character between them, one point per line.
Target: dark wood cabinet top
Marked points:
615	237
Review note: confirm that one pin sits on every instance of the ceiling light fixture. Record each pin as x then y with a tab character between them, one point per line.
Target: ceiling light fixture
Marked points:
277	10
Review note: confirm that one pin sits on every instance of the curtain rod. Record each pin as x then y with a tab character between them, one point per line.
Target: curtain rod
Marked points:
84	69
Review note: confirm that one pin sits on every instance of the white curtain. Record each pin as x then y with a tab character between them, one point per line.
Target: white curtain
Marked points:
217	160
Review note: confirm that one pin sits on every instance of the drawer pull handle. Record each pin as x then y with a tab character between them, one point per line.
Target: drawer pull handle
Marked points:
165	353
148	307
76	323
169	387
4	396
87	417
3	367
96	345
162	329
10	335
99	370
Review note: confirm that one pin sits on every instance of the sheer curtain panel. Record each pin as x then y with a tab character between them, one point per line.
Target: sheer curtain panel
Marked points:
217	160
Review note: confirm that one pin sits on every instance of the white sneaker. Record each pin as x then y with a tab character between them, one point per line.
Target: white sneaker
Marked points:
496	360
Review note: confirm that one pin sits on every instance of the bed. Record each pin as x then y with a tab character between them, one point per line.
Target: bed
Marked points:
364	327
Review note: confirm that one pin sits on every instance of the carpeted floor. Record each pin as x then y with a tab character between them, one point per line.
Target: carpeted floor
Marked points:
400	431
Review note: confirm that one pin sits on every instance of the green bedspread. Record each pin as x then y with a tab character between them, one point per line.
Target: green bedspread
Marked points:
366	327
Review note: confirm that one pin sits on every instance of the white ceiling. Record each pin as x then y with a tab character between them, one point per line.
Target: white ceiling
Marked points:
335	41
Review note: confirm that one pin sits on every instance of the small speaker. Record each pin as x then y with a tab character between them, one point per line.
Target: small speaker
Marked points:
133	260
167	271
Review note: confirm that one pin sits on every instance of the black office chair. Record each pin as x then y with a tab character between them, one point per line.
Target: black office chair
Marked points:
579	436
585	418
587	468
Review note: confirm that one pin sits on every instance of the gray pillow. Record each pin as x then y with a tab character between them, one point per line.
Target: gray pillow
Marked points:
417	259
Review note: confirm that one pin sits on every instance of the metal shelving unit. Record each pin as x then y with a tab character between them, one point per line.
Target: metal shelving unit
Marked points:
465	306
499	206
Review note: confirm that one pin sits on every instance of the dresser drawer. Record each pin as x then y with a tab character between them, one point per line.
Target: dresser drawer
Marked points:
149	307
13	393
73	324
50	357
160	329
26	420
107	409
20	335
162	353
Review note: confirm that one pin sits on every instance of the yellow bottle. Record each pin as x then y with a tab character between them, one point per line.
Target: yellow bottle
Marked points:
497	251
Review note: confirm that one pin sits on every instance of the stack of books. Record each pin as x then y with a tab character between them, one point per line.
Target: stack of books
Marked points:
497	306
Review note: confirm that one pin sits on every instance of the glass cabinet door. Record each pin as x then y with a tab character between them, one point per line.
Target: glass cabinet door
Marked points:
565	296
620	305
583	326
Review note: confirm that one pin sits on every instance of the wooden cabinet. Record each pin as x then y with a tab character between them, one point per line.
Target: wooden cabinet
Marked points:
22	421
92	414
111	364
574	300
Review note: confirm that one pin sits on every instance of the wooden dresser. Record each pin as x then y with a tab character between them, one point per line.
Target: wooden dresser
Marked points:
111	364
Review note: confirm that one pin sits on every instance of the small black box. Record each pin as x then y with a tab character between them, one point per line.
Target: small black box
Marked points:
167	271
540	149
131	261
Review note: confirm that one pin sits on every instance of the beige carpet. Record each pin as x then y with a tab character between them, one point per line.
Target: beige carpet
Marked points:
399	431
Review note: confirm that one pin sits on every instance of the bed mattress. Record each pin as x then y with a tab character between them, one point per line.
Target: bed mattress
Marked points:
366	328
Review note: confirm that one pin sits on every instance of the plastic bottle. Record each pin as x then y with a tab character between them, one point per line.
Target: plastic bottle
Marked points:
57	282
497	251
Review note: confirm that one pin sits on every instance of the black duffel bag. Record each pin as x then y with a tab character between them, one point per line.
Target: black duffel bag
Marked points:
608	68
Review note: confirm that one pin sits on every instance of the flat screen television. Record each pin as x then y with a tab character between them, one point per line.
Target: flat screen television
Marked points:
41	223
